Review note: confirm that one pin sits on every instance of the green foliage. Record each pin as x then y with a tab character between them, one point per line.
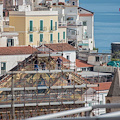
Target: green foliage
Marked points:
95	49
116	56
114	59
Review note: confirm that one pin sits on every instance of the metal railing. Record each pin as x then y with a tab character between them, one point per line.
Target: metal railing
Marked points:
32	30
42	29
88	110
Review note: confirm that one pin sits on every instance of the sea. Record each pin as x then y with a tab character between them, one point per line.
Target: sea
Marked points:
106	22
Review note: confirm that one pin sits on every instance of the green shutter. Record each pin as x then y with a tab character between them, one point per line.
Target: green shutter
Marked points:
58	37
41	25
63	35
31	38
3	66
31	25
55	25
51	38
41	37
51	24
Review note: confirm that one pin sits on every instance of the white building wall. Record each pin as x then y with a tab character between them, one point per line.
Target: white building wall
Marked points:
11	60
95	99
1	17
3	40
89	29
72	58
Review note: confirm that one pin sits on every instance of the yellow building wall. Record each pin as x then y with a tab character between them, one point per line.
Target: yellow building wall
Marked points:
22	25
61	30
36	26
19	23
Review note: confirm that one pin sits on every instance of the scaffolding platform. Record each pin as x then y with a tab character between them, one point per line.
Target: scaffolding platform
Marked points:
41	71
53	87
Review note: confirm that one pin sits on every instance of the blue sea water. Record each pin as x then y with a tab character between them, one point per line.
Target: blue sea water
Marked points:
106	22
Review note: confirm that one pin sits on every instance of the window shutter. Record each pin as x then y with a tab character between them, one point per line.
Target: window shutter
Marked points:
41	37
41	25
31	25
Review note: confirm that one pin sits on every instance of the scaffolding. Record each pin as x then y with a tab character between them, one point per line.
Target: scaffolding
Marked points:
27	91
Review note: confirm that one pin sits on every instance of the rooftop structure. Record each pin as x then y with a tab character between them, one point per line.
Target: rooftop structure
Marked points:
113	95
27	90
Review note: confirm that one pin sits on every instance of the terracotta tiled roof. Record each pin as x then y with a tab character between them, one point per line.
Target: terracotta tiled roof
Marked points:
62	58
17	50
103	86
85	14
60	47
81	63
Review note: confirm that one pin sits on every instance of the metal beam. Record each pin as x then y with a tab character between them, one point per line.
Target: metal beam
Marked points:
53	87
45	104
40	71
79	110
60	114
47	55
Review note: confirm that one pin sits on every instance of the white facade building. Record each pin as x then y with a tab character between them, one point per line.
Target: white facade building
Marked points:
1	16
80	24
11	56
7	38
68	51
97	96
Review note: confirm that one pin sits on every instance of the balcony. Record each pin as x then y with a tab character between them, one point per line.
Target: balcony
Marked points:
74	23
74	37
53	29
62	24
85	36
31	30
40	30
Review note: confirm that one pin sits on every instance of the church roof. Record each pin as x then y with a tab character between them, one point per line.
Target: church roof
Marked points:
115	86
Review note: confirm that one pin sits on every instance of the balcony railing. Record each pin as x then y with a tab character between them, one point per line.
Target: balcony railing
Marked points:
53	29
42	30
30	30
72	37
73	23
64	24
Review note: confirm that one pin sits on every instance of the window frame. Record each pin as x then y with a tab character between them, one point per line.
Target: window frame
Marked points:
51	36
31	28
42	25
51	24
64	35
30	38
42	37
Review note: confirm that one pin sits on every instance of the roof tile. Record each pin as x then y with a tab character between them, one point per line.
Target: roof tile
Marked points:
60	47
103	86
17	50
81	63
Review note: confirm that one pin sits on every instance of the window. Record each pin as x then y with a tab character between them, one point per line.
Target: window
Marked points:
68	57
51	24
31	25
51	38
3	66
10	42
73	32
58	37
41	25
31	38
101	102
64	35
84	23
97	59
41	37
73	3
55	25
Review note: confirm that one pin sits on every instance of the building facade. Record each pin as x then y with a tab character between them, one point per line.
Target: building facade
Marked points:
11	56
36	27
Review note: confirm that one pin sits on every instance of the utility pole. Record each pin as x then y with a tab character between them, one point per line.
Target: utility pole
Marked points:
12	99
